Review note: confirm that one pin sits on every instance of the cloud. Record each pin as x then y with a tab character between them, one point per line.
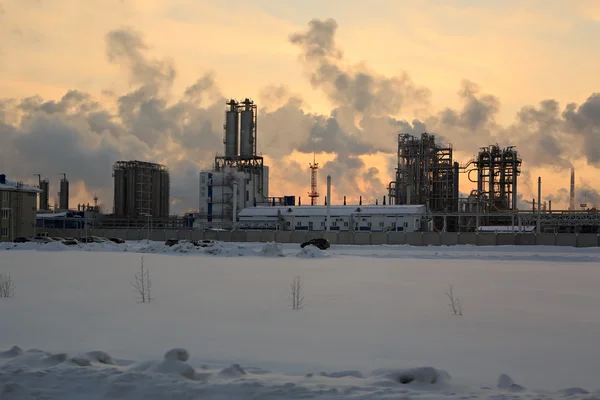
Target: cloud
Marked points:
356	85
82	135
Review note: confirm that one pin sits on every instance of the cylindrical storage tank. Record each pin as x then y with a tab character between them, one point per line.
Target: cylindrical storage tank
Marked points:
231	133
165	194
120	192
45	195
64	194
246	134
130	192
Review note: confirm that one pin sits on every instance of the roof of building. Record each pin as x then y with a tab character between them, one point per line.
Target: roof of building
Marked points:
306	211
7	184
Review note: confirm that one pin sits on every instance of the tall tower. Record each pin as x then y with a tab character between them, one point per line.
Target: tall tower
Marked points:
572	192
63	195
313	194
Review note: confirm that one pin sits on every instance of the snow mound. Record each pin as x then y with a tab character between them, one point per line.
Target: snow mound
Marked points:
177	354
345	374
414	376
38	359
12	352
55	246
227	250
312	252
505	382
101	357
272	249
80	361
233	371
573	391
173	364
183	247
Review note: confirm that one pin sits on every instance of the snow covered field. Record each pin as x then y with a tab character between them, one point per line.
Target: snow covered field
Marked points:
373	315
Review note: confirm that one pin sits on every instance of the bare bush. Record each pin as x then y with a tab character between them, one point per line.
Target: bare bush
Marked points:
455	304
7	287
296	295
142	283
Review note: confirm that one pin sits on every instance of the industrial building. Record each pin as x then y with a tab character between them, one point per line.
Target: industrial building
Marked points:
426	174
141	189
399	218
18	203
239	179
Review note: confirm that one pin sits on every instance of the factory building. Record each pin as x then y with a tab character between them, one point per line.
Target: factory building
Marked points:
217	198
141	189
398	218
18	203
239	179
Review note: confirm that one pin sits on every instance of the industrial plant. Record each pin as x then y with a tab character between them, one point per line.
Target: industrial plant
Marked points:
141	189
239	179
233	194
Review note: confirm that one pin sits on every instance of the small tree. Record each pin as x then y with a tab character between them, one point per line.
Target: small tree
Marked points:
142	283
7	287
455	304
296	296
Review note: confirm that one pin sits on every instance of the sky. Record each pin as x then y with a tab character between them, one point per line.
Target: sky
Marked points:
84	84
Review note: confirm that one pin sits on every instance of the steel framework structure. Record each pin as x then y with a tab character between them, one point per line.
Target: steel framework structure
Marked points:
497	172
426	174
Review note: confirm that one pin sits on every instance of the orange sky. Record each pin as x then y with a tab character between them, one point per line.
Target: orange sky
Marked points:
521	52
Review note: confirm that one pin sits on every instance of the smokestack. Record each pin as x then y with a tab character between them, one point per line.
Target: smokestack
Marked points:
539	204
360	201
344	200
572	193
328	221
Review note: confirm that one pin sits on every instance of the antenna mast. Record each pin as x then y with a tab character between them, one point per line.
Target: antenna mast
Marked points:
313	194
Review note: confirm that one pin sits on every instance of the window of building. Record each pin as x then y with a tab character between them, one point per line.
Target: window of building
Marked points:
4	232
5	213
299	223
322	223
247	195
381	224
4	196
345	224
334	224
406	224
369	224
288	223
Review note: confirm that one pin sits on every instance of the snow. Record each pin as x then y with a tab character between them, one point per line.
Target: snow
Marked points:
375	322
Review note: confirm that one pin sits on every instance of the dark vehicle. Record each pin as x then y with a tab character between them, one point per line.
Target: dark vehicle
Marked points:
171	242
93	239
22	240
322	244
69	242
117	240
204	243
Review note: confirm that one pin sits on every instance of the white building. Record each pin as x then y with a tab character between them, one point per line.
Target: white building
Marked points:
217	197
400	218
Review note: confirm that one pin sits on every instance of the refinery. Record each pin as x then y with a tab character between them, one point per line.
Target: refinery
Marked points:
234	195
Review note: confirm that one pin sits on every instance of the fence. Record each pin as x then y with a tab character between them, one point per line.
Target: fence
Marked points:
359	238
